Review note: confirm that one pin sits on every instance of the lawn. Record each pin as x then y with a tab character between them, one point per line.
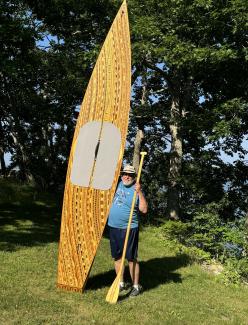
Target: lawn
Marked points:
176	292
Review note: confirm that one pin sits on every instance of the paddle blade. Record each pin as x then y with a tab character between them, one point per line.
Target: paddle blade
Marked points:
113	293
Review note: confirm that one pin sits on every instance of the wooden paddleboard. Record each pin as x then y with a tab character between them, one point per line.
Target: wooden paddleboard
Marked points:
96	156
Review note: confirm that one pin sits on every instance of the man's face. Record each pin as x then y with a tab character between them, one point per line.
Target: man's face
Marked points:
127	179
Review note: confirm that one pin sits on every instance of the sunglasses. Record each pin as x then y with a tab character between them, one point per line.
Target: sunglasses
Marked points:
127	174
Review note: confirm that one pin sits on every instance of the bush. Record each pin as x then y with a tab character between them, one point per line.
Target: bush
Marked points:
230	275
194	254
235	271
176	230
209	233
206	236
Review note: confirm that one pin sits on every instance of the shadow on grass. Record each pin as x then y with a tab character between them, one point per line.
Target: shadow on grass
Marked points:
154	272
28	225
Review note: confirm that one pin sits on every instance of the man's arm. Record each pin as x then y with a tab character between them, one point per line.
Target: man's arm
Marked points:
143	206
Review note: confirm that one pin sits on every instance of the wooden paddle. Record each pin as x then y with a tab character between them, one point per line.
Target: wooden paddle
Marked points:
113	293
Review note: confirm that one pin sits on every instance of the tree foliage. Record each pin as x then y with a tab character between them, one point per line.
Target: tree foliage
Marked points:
189	94
196	53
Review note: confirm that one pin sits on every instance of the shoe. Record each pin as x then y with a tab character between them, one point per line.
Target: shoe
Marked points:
135	292
125	286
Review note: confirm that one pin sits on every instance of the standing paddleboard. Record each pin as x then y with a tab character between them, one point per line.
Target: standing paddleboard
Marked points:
96	156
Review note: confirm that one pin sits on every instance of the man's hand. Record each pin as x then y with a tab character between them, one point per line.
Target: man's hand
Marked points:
142	201
137	187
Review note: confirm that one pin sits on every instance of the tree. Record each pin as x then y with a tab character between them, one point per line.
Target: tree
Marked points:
70	43
46	63
19	60
187	57
193	49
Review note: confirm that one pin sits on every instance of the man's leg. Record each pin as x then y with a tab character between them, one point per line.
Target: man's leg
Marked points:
134	270
116	238
117	268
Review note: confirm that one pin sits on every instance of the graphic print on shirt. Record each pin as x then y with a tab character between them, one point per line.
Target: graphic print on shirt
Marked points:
121	196
120	209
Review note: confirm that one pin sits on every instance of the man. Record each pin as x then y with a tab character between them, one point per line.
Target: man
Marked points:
118	221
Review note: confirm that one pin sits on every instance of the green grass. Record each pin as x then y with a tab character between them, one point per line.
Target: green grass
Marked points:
175	291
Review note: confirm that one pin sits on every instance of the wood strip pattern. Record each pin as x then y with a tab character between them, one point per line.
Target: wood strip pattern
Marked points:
85	210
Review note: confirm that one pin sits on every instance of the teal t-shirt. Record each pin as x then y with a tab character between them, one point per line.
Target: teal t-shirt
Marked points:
121	206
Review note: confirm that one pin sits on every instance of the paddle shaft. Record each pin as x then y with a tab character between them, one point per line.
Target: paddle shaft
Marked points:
131	215
113	292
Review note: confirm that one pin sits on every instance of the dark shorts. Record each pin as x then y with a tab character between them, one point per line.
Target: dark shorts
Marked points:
117	238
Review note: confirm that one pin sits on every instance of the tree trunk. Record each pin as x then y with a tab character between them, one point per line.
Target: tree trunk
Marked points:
25	174
2	161
176	153
137	146
140	122
246	236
